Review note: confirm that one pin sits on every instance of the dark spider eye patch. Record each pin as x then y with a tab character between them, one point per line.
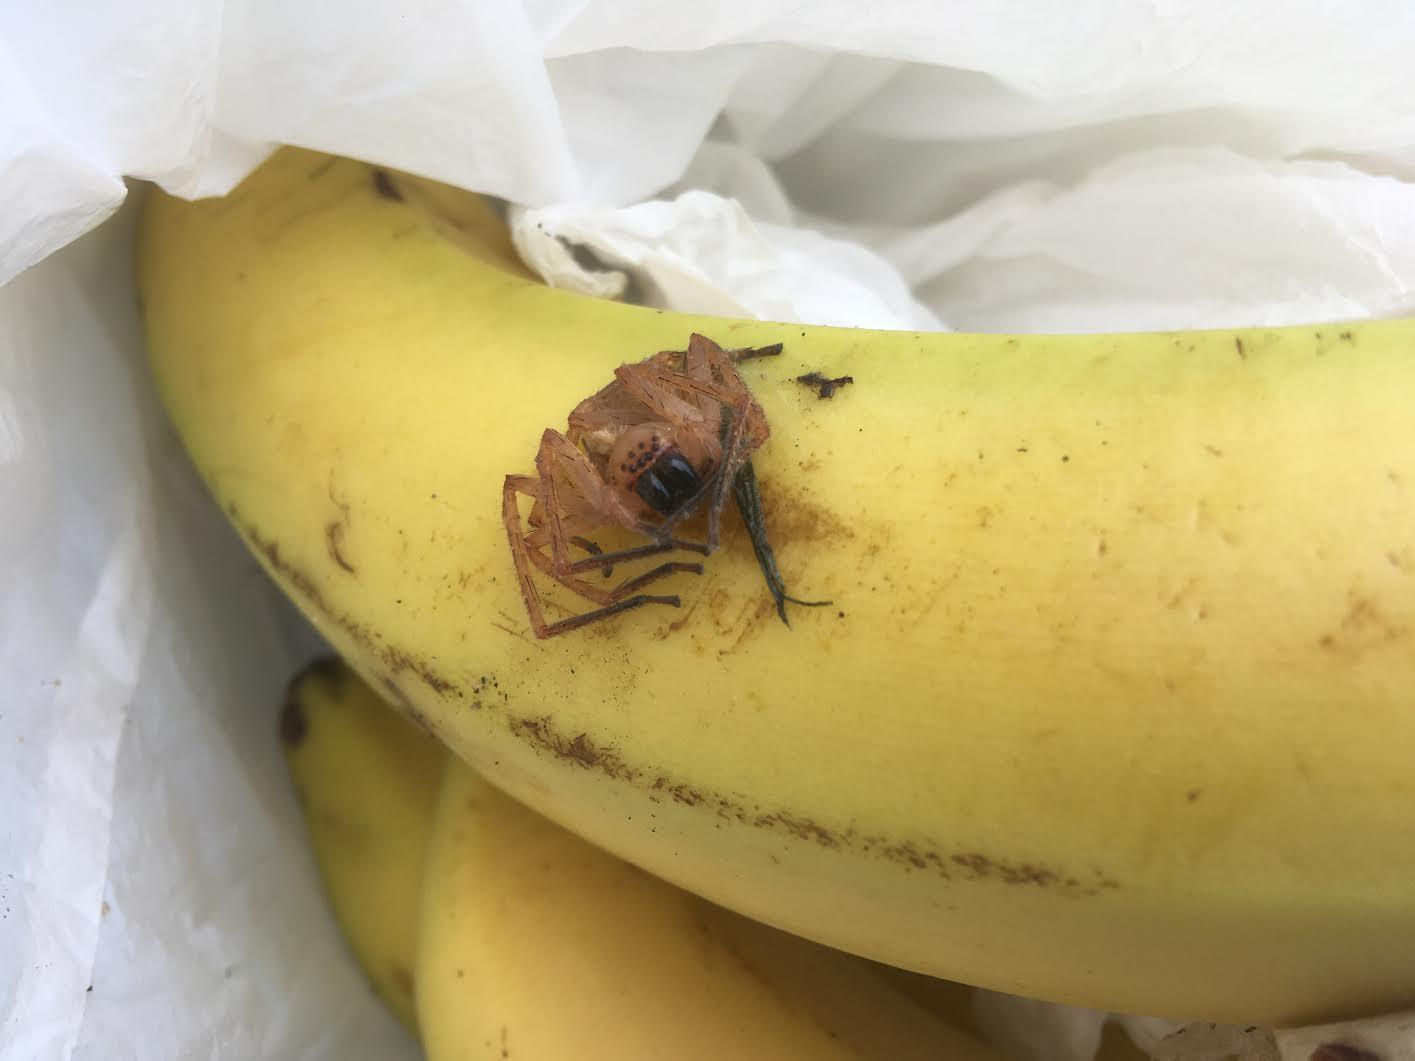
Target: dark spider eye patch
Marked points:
669	484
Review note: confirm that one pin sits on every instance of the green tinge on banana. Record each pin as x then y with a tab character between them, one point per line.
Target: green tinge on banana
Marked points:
1113	704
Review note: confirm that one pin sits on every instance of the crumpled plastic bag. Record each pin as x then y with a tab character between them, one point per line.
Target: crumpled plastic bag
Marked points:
1102	165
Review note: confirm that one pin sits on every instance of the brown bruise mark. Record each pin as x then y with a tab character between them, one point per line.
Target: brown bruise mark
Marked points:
396	660
985	867
582	751
792	518
486	687
400	659
719	603
334	529
402	978
1363	627
800	827
334	538
755	615
321	169
1238	345
383	184
1183	597
294	723
678	792
682	621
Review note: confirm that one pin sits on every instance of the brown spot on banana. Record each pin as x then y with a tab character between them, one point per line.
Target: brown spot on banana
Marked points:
911	853
383	184
334	538
395	659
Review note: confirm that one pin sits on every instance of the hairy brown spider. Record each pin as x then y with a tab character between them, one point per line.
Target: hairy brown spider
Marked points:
670	433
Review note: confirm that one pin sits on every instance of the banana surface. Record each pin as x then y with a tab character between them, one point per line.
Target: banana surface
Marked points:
537	944
368	783
1113	705
523	911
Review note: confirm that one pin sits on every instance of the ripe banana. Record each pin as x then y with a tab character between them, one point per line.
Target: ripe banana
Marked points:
535	943
531	935
368	782
1113	705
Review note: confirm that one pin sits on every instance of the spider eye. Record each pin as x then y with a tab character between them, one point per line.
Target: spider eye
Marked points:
669	485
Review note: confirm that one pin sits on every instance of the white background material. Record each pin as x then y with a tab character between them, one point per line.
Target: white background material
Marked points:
1098	165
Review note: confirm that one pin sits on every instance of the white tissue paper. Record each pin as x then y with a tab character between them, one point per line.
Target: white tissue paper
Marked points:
1098	165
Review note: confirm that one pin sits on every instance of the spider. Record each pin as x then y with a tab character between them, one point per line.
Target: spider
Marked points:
669	434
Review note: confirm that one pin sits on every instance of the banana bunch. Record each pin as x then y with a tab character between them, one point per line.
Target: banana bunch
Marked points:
1114	703
523	940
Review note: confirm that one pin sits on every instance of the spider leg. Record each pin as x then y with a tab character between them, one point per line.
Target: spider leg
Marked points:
607	560
585	618
511	518
729	420
708	377
740	437
540	537
749	503
700	347
558	453
612	602
747	353
654	385
669	568
711	371
599	595
741	416
594	550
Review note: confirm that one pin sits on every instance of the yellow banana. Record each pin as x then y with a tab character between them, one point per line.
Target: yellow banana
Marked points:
368	783
1113	705
513	895
536	944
